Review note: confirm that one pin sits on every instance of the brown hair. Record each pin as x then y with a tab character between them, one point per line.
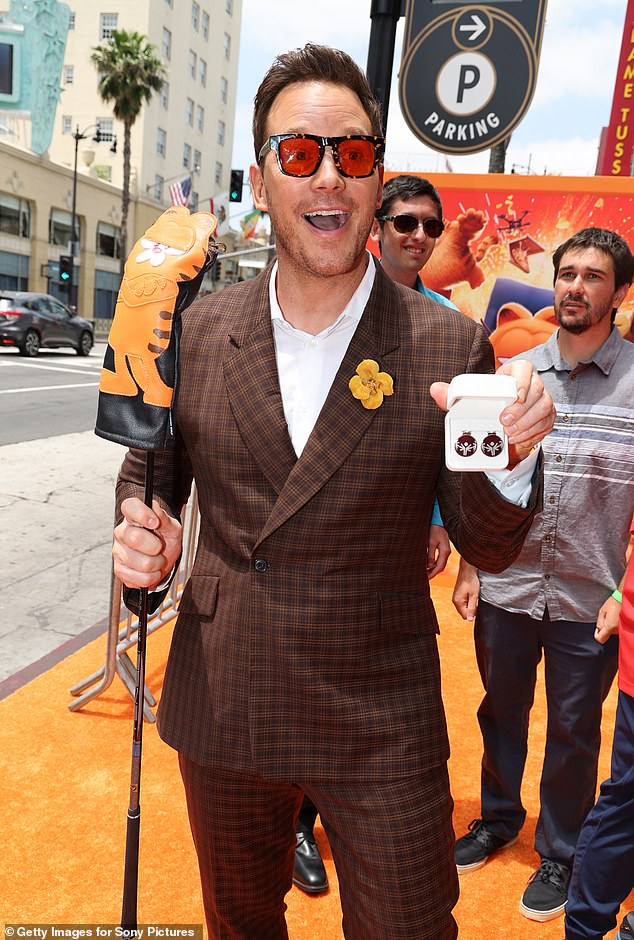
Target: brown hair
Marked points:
311	64
606	241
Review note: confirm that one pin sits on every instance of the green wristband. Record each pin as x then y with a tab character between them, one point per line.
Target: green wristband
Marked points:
617	596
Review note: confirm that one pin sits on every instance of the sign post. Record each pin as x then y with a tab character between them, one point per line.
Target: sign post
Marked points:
468	70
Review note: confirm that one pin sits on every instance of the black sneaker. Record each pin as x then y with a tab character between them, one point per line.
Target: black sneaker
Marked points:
472	851
626	930
546	893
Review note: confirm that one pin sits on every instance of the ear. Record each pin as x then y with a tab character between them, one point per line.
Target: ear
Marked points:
375	232
379	196
620	295
548	314
512	311
258	190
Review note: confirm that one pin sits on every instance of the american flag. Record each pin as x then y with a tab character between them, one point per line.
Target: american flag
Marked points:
179	192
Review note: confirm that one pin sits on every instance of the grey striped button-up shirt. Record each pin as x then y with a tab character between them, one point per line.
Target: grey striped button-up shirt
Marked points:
574	555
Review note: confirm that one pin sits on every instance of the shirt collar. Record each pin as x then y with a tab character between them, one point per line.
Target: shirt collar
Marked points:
548	356
353	309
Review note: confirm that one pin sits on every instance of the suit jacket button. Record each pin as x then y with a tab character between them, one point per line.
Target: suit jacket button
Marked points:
261	565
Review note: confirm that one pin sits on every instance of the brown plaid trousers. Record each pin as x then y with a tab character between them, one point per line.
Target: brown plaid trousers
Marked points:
305	649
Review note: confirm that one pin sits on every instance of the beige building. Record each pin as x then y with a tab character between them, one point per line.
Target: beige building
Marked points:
35	228
187	131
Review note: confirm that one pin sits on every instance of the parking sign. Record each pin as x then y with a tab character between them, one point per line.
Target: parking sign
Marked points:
468	70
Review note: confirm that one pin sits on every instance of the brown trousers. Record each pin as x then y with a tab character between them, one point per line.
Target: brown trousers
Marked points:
392	844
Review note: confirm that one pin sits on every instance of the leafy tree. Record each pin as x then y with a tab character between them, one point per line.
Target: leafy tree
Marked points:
129	74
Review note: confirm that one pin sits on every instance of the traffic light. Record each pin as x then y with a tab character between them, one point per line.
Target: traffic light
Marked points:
66	269
235	187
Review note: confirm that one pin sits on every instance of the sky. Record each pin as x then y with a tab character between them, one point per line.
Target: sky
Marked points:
558	135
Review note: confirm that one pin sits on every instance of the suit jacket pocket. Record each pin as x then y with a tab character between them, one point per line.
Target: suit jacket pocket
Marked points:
408	612
200	596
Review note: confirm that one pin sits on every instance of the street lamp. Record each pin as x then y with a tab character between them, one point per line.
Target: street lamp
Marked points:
74	236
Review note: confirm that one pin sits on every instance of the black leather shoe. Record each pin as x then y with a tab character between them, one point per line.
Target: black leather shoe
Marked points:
309	873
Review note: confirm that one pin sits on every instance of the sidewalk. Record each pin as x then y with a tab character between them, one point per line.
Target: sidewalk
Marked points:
56	499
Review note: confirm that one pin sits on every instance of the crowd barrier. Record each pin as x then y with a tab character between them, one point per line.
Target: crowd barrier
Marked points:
122	632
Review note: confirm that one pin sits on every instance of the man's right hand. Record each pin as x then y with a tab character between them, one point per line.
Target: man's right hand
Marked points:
466	591
147	544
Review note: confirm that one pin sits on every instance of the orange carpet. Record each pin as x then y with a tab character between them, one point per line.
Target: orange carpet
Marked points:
65	779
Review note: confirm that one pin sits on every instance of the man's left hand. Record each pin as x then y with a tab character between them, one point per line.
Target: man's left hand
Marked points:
531	416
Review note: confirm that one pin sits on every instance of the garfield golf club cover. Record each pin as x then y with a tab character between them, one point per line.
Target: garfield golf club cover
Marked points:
162	276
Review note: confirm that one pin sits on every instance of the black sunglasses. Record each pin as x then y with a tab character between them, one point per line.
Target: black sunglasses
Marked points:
300	155
406	224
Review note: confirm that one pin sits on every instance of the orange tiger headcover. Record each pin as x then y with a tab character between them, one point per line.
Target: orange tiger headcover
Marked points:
174	250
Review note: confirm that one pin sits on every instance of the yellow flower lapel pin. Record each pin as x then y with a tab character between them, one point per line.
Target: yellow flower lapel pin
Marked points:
369	385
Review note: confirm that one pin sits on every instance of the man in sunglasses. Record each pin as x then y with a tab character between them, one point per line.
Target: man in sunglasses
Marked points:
408	224
304	657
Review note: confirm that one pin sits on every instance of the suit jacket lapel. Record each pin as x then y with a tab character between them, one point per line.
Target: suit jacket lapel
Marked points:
251	378
343	420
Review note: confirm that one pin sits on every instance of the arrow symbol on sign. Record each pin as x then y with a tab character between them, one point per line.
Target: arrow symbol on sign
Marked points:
476	27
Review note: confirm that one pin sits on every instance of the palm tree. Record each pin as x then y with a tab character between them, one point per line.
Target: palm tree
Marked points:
497	155
129	74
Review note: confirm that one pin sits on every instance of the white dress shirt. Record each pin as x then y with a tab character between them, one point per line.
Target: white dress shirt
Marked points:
307	365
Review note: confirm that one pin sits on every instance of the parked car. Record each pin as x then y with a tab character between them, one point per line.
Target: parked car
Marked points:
34	321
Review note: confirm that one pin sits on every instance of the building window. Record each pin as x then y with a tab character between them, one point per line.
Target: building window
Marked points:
166	44
71	21
108	240
191	64
189	111
200	118
161	141
204	28
15	216
67	124
197	161
59	228
229	7
164	96
187	156
105	128
195	15
224	89
158	187
227	46
218	174
202	72
193	201
107	25
106	291
221	133
69	74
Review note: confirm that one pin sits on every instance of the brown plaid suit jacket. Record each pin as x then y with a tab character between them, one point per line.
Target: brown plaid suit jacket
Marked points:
305	647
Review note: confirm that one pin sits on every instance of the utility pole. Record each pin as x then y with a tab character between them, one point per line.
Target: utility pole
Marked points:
384	14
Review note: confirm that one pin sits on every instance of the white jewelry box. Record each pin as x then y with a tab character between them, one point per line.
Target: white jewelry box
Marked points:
474	437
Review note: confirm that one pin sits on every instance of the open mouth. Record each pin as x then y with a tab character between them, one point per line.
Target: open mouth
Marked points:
327	220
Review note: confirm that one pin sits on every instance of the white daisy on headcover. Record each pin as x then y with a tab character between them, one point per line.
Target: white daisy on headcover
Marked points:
155	252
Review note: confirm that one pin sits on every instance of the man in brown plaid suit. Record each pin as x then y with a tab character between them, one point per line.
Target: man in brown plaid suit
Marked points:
304	658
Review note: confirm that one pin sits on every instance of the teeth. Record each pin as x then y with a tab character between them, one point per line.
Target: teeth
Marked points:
324	212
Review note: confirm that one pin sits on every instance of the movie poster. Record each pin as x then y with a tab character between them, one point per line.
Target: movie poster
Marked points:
494	259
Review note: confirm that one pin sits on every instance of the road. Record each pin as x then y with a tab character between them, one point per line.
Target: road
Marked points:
48	396
56	500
